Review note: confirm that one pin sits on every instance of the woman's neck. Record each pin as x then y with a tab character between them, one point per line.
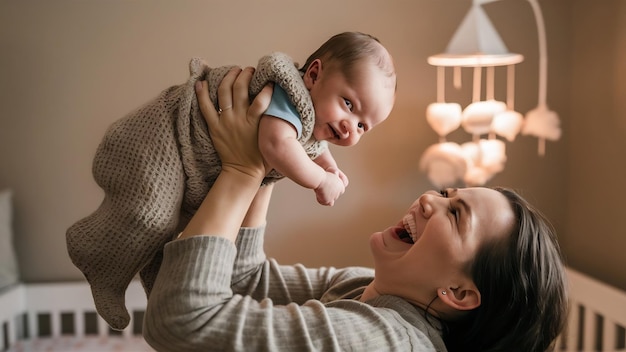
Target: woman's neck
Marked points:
435	319
369	293
432	307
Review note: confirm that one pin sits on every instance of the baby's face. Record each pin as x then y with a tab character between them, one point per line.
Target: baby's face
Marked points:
345	110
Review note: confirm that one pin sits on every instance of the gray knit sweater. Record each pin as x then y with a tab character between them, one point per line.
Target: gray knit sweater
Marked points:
211	295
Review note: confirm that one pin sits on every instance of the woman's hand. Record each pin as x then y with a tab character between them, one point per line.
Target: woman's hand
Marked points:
234	128
234	133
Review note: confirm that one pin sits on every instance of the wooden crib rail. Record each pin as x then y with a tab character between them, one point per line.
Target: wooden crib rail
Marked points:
597	316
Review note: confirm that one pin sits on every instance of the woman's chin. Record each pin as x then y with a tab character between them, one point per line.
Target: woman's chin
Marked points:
376	240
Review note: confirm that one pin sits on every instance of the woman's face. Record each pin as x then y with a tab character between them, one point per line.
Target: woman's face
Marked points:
429	249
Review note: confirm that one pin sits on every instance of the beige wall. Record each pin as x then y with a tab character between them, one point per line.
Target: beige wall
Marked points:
69	68
597	143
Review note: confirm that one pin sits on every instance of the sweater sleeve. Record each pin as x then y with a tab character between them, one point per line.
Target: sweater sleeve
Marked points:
256	275
192	307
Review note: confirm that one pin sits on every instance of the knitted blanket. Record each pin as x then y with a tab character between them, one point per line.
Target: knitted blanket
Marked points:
155	166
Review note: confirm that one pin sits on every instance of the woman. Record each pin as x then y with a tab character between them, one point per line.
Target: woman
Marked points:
472	269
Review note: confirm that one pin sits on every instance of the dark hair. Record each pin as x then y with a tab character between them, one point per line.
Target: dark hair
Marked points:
344	50
523	289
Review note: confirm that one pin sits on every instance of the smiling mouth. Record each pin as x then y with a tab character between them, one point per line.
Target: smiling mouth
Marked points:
407	233
335	134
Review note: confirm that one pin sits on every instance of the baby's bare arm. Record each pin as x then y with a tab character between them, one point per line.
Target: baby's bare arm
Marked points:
326	160
281	150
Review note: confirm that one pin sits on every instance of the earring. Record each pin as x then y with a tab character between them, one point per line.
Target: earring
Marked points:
444	292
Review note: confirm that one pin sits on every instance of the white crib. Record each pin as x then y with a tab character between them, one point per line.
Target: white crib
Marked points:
61	317
57	317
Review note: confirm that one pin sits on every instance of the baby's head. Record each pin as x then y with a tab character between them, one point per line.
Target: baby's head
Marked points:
352	81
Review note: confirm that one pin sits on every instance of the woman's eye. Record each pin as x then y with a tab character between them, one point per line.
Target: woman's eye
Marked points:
452	210
348	104
454	213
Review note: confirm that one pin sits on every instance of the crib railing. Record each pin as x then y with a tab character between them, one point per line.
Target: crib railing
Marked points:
597	316
74	301
29	311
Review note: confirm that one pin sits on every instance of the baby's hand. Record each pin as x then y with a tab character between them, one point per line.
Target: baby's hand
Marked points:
331	188
341	175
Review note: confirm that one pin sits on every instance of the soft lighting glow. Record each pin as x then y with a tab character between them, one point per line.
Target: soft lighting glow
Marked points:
477	45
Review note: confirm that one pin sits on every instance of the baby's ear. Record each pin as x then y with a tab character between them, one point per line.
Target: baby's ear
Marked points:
464	298
312	73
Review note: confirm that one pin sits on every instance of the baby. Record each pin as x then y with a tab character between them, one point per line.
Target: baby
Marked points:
351	82
156	164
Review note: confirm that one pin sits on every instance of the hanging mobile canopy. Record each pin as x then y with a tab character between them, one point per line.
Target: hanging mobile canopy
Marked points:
477	45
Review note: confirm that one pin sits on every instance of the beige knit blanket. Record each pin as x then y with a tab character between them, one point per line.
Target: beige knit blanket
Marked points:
155	166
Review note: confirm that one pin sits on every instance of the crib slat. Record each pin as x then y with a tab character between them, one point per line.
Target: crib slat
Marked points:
589	330
79	323
572	326
609	335
33	326
55	321
128	332
103	327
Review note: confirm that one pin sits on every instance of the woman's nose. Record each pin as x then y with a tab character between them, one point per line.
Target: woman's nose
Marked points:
428	204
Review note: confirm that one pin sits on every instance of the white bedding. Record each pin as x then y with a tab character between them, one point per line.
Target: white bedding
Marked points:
83	344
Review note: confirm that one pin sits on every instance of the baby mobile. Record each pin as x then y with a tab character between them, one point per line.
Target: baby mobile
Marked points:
476	45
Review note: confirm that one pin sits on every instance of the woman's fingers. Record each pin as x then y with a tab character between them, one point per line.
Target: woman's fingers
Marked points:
225	90
256	110
234	130
261	102
206	106
241	86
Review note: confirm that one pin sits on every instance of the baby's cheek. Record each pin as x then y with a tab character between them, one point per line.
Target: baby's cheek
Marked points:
321	133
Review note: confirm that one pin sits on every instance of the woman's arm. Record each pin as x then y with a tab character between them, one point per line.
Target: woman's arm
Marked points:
192	308
225	206
257	212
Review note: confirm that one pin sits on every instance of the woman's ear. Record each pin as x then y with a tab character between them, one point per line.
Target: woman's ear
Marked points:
460	298
312	73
